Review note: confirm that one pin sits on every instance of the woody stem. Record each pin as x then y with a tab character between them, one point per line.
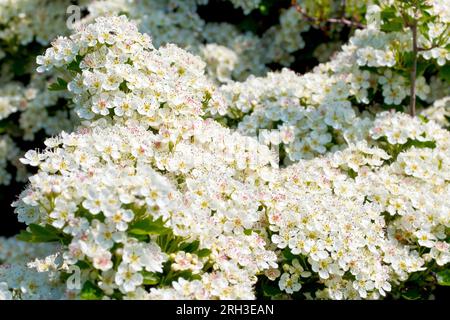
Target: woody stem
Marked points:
412	104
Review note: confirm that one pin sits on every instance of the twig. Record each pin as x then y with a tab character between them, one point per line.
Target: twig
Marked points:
427	49
412	104
440	40
412	24
341	20
343	7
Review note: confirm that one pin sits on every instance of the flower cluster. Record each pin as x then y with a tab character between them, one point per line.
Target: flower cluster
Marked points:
25	21
312	114
10	98
250	50
359	221
13	251
178	22
439	112
34	104
9	154
27	109
119	73
306	115
149	221
284	39
31	111
221	61
375	59
169	187
19	281
246	5
166	212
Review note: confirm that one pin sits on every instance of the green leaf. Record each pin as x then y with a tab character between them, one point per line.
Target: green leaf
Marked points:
412	294
149	226
444	72
83	264
248	232
422	67
75	64
39	233
203	253
25	236
424	31
420	144
352	173
443	277
150	278
288	255
392	26
423	118
388	13
60	85
124	87
270	290
3	125
190	247
188	275
140	237
91	292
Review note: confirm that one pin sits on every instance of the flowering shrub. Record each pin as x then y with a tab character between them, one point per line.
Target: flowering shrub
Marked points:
23	21
314	113
360	221
29	112
150	229
238	53
122	219
166	179
27	109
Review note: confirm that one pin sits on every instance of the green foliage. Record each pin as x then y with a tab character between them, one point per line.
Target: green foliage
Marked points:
150	278
391	21
165	238
326	9
395	150
171	276
443	277
270	289
91	292
189	247
75	64
149	226
38	233
412	294
60	85
3	125
203	253
444	73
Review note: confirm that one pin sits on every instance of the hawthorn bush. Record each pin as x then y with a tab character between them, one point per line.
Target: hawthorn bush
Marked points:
158	151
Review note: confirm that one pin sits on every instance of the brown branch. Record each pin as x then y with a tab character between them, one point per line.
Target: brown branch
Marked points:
343	7
439	41
341	20
412	104
428	49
